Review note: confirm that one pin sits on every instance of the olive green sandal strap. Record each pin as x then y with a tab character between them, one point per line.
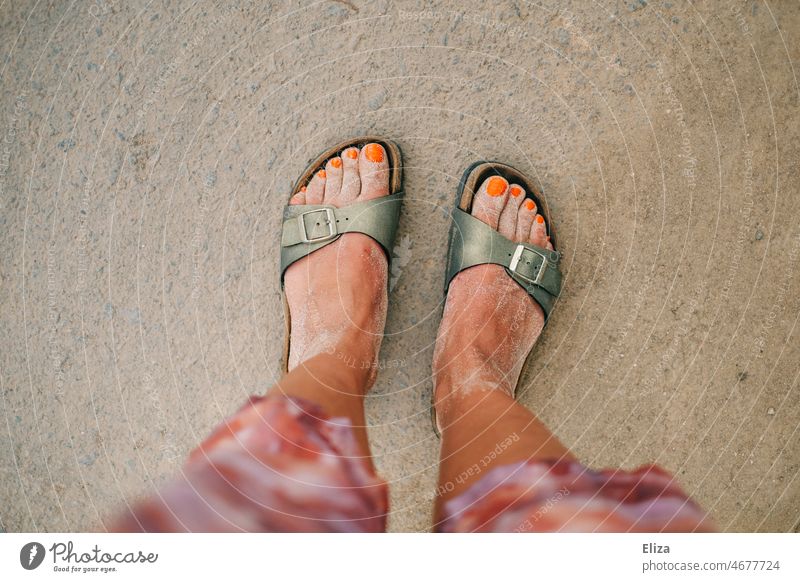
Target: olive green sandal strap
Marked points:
473	242
310	227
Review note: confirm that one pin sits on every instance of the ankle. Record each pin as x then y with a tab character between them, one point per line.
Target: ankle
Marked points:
473	373
457	399
350	365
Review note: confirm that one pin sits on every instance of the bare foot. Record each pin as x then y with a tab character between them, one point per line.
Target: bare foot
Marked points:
338	295
490	323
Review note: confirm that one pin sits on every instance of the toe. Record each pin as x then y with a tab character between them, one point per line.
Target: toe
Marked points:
351	182
299	198
538	234
333	181
524	220
373	168
316	188
490	200
508	217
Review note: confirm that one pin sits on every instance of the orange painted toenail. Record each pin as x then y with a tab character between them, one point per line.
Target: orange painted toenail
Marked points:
336	162
539	219
496	186
374	152
516	191
352	154
529	204
303	189
322	173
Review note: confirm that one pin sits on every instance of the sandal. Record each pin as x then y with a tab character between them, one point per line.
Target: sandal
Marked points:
473	242
310	227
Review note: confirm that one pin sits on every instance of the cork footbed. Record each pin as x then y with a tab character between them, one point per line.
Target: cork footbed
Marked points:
395	169
478	172
470	182
395	185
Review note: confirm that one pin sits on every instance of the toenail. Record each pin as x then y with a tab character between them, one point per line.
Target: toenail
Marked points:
352	153
516	191
303	189
374	152
336	162
539	219
322	173
529	204
496	186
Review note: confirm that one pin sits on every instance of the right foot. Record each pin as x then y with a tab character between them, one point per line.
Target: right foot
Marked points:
489	323
338	295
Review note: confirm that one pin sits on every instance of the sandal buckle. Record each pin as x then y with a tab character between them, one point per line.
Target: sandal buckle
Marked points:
330	222
517	257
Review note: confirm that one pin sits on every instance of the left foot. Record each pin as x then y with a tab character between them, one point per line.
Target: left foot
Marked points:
489	323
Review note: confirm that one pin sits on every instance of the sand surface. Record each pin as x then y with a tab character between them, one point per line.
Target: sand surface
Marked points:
146	149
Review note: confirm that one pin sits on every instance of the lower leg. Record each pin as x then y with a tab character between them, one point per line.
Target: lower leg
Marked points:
484	429
488	328
334	383
271	467
338	296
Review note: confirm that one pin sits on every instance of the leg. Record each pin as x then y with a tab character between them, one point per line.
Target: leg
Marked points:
338	296
335	386
489	326
486	429
501	468
298	458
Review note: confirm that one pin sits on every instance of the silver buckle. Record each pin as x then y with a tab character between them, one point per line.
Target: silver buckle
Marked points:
330	221
515	259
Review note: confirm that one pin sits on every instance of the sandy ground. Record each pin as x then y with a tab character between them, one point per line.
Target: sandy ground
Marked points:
147	148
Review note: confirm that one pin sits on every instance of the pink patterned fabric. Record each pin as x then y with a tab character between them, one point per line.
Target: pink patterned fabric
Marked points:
278	465
282	465
565	496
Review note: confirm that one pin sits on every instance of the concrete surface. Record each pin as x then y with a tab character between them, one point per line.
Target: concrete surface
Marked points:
147	148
